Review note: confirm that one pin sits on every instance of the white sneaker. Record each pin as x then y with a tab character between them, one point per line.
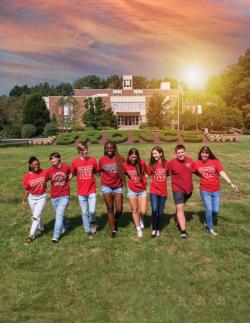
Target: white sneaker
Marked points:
139	233
205	225
141	223
212	232
54	240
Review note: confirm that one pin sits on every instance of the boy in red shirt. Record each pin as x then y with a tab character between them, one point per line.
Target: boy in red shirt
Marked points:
85	168
58	174
180	170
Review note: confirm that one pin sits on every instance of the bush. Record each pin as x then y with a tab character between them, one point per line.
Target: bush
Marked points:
28	131
11	131
117	137
50	129
147	136
136	136
164	136
190	133
92	136
170	132
66	138
143	125
107	128
78	128
246	132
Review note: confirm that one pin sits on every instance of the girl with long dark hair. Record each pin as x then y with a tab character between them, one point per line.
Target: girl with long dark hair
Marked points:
158	168
209	169
136	170
112	181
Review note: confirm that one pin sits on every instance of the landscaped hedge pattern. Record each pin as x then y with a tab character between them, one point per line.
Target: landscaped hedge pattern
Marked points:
117	137
191	136
165	136
146	136
93	136
136	136
66	138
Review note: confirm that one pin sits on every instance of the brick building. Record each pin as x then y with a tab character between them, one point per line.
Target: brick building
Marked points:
129	105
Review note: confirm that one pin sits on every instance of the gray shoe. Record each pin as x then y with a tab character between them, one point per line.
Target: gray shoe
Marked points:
93	228
213	233
90	235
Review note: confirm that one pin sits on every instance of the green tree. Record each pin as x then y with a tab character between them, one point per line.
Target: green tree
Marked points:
96	114
35	112
140	82
90	81
234	118
157	114
188	120
114	82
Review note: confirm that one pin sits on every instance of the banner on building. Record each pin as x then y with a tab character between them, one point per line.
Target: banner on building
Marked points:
199	109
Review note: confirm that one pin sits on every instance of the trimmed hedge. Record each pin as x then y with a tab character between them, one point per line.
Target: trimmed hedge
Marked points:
147	136
164	136
66	138
136	136
28	131
190	134
92	136
117	137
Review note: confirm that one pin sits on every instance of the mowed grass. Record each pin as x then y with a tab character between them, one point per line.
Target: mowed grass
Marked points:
202	279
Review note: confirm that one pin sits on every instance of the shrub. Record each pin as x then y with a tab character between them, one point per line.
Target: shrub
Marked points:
147	136
66	138
92	136
11	131
50	129
143	125
28	131
118	137
78	128
246	132
170	132
136	136
164	136
190	133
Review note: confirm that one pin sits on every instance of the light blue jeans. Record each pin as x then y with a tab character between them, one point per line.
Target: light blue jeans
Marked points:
59	204
88	207
211	201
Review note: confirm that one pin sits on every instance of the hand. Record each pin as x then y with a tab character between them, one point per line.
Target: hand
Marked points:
235	188
23	204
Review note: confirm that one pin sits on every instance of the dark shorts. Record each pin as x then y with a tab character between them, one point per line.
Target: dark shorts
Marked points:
181	197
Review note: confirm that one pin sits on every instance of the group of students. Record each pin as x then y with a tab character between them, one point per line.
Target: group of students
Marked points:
116	173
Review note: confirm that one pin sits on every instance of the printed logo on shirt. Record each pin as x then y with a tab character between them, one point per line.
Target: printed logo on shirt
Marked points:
59	179
85	172
188	165
207	172
160	174
37	183
110	168
133	176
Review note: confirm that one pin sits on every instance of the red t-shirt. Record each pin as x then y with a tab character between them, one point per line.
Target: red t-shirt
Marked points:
59	180
35	183
158	184
135	183
85	173
209	174
181	175
109	173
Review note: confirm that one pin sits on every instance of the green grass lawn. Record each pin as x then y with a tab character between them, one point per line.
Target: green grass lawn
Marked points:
202	279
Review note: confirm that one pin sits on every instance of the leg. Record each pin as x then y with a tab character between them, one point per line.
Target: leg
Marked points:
216	206
133	201
92	207
83	200
181	216
61	204
207	201
154	206
118	200
161	205
108	198
37	207
142	203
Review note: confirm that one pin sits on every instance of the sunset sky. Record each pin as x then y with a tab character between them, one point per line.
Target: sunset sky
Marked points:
60	41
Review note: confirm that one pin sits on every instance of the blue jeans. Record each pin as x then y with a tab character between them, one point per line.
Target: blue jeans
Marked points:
88	207
211	201
59	204
157	205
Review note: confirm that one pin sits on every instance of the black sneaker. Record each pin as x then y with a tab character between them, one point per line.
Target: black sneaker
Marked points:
184	234
113	234
90	235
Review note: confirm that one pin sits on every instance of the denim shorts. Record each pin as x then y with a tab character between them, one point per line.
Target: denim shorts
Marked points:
107	189
136	194
180	197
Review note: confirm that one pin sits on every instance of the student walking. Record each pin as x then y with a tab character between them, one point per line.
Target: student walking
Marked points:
180	170
136	170
58	174
35	190
112	180
85	167
209	169
158	168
